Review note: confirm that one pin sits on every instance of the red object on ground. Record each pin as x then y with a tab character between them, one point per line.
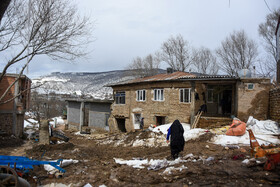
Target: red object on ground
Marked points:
237	128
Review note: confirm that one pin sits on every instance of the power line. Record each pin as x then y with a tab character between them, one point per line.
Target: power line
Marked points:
267	5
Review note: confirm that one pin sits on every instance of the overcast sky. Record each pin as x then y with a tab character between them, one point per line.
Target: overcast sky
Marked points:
125	29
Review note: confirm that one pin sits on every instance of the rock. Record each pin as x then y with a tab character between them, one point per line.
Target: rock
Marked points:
207	146
226	148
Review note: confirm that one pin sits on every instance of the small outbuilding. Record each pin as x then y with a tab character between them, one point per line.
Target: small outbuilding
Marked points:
88	113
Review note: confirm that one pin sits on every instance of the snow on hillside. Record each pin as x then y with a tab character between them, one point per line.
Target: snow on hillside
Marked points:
78	84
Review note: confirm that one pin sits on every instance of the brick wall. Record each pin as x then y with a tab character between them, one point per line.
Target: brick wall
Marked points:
274	102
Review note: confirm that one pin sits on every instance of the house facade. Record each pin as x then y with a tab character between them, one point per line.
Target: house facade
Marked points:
88	113
12	113
163	98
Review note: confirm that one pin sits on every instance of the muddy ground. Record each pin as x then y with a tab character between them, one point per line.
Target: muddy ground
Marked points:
97	166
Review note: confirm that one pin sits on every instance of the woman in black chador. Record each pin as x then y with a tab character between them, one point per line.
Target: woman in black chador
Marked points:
177	142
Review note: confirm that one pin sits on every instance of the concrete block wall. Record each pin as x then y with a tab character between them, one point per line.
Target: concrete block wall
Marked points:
6	122
274	104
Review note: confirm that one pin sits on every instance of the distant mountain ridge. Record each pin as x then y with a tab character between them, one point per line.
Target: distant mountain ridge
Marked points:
83	84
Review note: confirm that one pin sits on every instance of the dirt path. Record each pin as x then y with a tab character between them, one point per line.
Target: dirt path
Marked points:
97	165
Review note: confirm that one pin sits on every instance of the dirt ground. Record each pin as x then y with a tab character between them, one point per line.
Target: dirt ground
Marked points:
97	165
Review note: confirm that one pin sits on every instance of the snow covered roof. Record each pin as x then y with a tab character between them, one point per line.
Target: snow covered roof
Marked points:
90	100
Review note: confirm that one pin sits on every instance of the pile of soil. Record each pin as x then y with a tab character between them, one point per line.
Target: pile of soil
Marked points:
10	141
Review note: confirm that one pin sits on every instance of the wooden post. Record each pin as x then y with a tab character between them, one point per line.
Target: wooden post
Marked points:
192	103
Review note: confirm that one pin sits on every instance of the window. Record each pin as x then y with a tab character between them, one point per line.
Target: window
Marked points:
120	97
250	86
185	95
158	94
141	95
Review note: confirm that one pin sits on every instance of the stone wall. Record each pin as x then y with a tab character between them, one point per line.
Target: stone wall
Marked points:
253	102
170	108
213	122
274	103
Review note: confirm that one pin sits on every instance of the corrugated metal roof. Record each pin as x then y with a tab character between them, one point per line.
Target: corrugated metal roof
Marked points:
176	76
161	77
210	77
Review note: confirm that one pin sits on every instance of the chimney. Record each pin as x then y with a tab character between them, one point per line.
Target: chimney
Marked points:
169	70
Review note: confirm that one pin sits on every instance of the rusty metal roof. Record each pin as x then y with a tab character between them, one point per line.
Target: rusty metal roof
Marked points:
162	77
177	76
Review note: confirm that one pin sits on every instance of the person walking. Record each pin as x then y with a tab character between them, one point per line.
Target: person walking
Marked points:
177	142
142	123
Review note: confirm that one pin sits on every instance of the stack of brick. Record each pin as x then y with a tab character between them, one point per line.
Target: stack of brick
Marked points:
274	102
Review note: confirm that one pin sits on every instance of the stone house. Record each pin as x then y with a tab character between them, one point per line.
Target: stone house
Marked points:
12	113
88	113
163	98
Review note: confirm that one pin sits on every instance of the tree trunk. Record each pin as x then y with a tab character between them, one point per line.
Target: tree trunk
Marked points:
3	7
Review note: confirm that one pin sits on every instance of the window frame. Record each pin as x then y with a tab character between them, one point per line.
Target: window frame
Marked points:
141	94
158	94
182	95
119	100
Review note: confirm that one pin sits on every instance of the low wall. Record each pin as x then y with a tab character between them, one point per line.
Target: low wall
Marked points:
213	122
274	105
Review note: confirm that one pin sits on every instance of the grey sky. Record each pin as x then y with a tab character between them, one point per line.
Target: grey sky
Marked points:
125	29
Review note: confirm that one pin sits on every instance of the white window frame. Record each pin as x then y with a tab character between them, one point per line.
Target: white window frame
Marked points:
120	100
182	95
159	94
141	95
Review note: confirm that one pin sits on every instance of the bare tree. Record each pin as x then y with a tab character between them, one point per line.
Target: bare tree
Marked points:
38	27
237	52
176	53
267	33
205	61
146	66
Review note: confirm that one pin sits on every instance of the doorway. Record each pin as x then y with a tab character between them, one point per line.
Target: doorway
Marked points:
219	100
121	124
160	120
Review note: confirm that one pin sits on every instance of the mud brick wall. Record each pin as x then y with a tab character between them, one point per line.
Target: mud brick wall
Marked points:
253	102
212	122
6	123
274	105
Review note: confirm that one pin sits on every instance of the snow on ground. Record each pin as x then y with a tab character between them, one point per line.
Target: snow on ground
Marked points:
57	121
159	164
50	169
188	132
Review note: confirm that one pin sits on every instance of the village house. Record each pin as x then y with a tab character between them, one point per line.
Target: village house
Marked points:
163	98
88	113
12	113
